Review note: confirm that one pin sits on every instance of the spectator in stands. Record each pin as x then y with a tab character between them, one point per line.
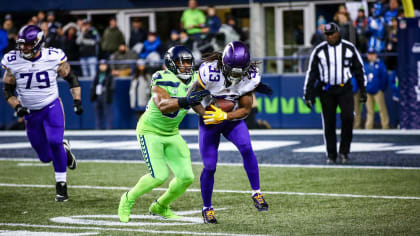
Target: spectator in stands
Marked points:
140	88
51	40
347	30
88	41
33	21
137	33
376	29
391	62
41	17
357	123
377	79
53	25
11	31
319	36
186	40
112	39
123	53
152	44
213	22
229	30
68	41
173	39
360	25
102	92
192	20
391	12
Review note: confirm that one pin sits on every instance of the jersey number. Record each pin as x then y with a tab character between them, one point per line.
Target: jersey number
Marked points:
41	77
214	72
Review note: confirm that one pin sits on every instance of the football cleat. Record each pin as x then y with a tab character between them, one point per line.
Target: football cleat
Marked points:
124	208
158	210
71	159
208	216
61	192
259	202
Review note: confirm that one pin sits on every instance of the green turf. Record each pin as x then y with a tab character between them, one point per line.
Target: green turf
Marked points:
288	214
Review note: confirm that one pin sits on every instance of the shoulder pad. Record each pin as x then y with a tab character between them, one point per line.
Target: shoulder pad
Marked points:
156	76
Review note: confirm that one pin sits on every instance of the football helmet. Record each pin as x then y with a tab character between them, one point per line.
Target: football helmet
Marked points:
235	61
30	40
180	61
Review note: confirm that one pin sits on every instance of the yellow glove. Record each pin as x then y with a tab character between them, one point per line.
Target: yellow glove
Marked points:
214	117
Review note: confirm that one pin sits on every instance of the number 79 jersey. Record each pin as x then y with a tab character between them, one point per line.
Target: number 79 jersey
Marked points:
36	81
213	80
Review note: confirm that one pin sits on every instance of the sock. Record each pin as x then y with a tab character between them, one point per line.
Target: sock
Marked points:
176	188
144	185
255	191
60	176
204	207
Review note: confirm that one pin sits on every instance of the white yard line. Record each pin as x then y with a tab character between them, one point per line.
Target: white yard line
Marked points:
194	132
118	229
217	191
225	164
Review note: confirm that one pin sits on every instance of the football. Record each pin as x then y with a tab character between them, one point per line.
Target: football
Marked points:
225	105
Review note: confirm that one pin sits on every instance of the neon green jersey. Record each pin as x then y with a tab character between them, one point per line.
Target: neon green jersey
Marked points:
153	121
192	17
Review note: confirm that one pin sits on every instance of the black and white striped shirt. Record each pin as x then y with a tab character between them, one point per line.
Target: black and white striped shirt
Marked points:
334	65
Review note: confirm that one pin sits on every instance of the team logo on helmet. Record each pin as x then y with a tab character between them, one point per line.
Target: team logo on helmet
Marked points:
236	61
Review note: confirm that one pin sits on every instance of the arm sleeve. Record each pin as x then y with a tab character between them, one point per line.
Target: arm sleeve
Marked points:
312	75
358	70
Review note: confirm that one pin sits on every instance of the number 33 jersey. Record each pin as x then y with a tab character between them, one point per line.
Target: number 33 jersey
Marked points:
36	80
213	80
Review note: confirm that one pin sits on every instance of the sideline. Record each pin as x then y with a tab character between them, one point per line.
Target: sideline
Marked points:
18	159
194	132
217	191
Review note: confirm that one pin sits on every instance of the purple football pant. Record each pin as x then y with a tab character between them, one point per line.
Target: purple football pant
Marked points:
45	130
209	139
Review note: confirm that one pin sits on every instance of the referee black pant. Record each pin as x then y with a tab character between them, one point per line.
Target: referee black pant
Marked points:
330	99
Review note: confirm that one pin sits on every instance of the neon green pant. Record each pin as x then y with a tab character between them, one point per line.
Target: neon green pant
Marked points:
159	153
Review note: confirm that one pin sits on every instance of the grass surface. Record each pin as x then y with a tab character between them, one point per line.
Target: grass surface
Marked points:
289	214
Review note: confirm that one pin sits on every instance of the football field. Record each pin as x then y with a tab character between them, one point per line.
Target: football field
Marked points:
377	193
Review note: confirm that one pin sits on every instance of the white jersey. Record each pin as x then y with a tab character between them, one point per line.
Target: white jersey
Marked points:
36	81
213	80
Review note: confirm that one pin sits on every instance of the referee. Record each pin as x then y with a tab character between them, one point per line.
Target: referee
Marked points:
331	67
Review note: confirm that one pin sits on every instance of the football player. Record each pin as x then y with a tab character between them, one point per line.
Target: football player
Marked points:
32	71
157	132
231	76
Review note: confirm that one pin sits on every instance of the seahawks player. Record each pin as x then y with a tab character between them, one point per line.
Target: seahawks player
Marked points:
157	132
230	76
33	70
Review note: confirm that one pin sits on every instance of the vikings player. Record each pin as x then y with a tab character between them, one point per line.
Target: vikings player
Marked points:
230	76
33	70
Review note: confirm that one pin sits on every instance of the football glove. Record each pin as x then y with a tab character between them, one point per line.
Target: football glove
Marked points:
214	117
193	99
77	106
309	101
21	111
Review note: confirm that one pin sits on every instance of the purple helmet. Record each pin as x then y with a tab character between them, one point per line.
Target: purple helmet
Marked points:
236	61
30	35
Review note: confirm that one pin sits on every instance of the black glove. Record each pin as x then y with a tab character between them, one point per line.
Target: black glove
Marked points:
363	95
264	89
77	106
194	98
309	101
21	111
